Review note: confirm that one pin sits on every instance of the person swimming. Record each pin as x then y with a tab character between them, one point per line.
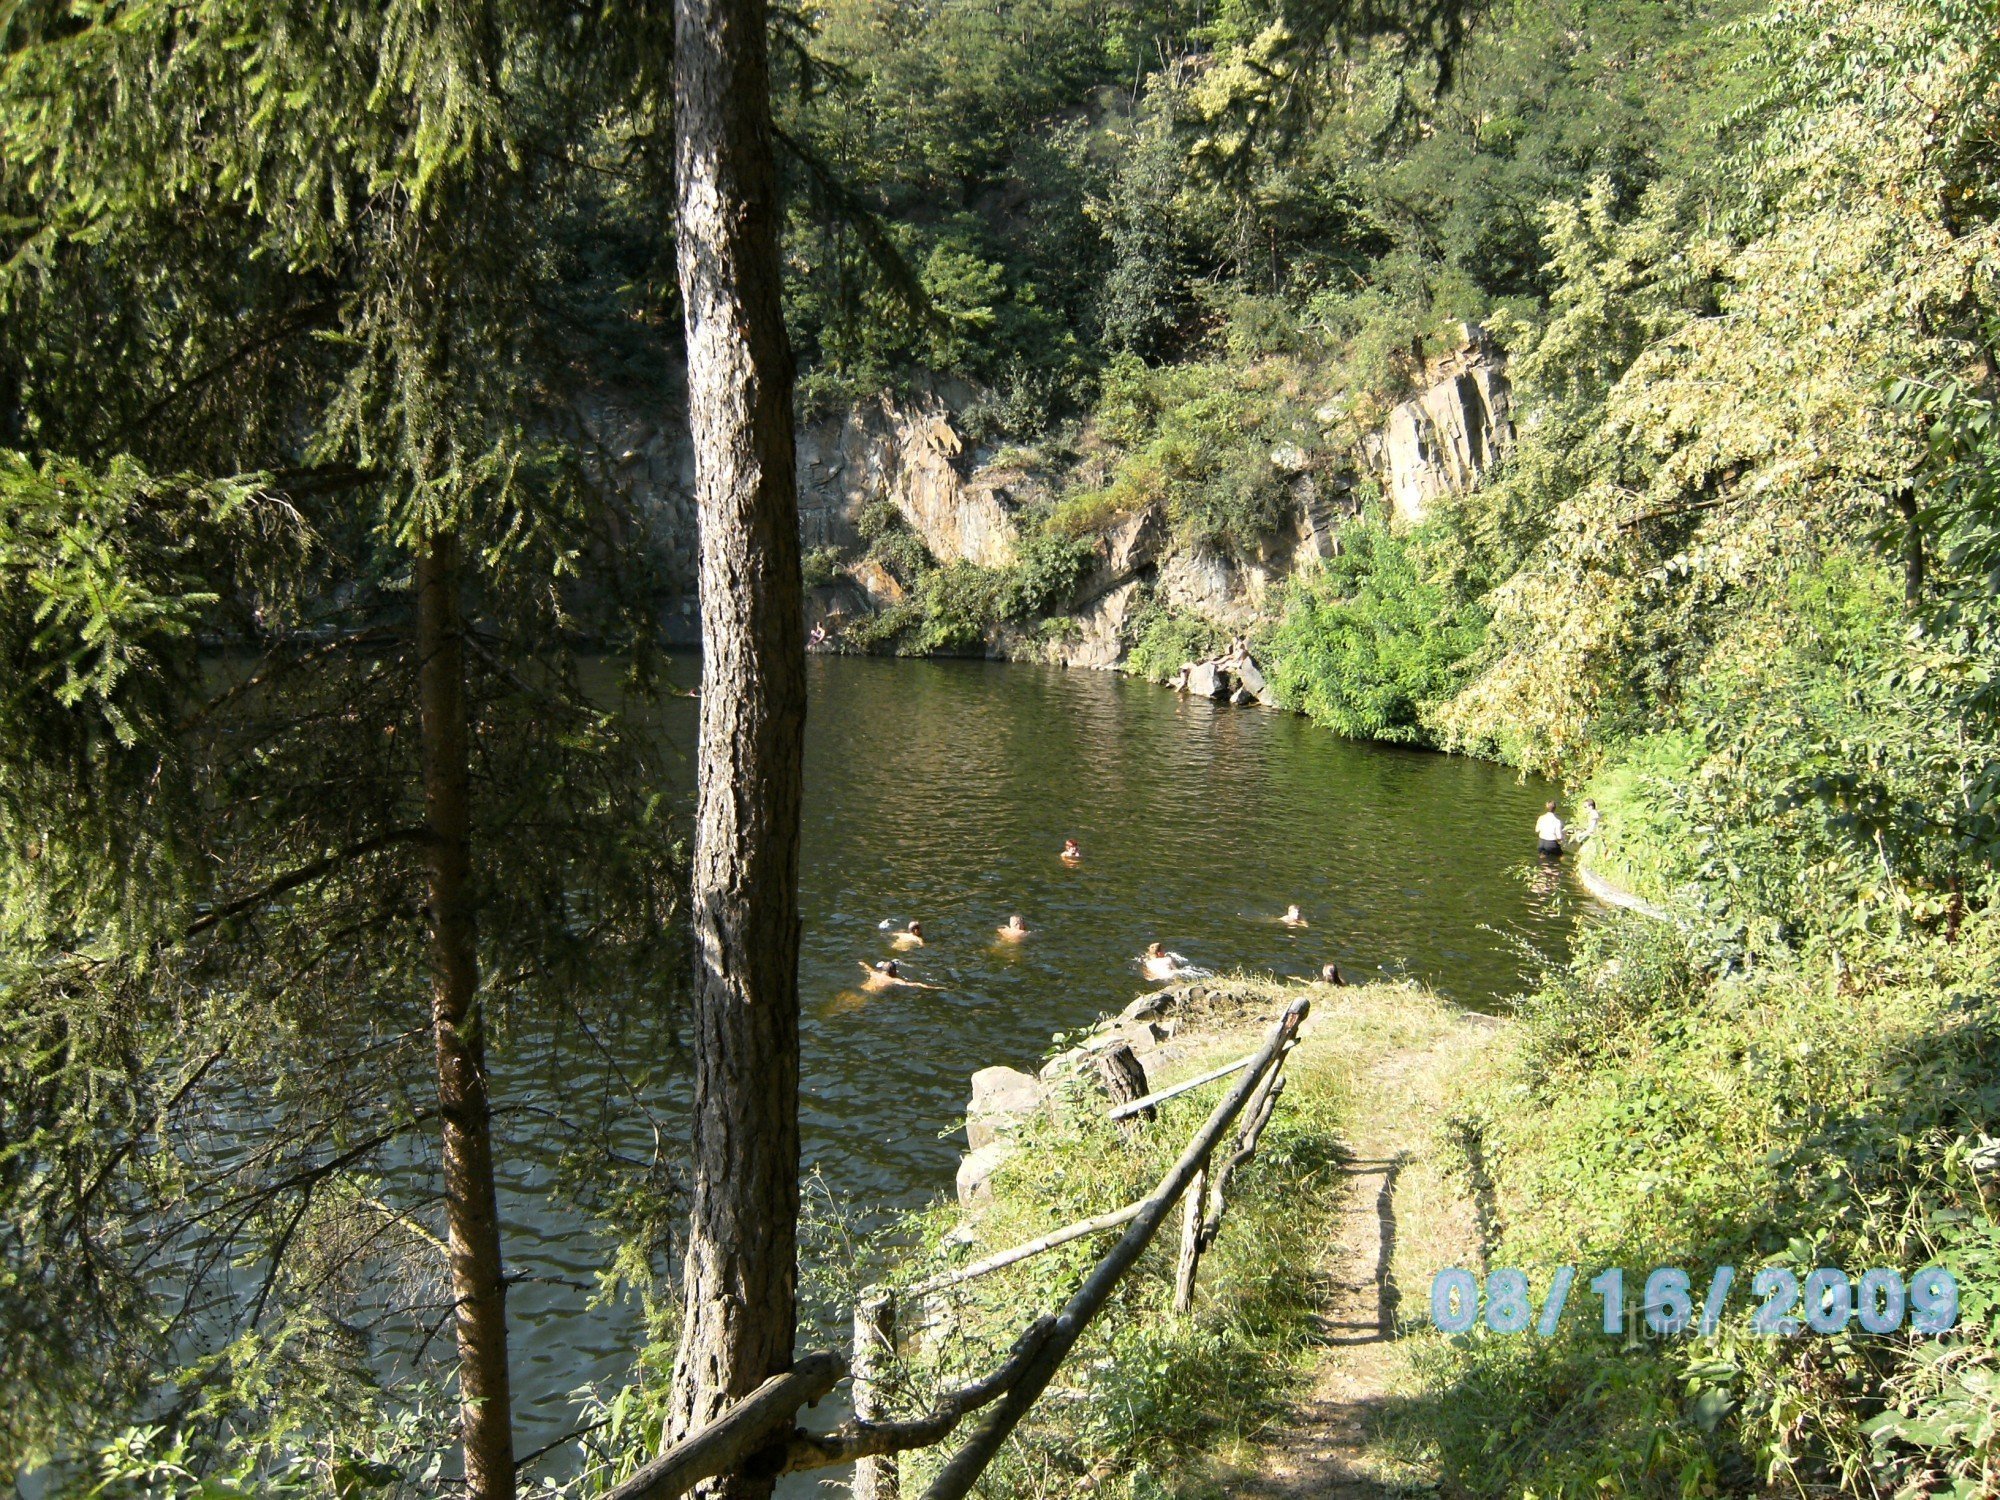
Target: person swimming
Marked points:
1291	918
1157	963
888	976
1071	853
1015	929
910	937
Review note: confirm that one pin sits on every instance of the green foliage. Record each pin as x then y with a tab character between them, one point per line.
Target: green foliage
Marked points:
820	566
1370	642
1045	575
1161	640
1198	440
1800	1114
290	291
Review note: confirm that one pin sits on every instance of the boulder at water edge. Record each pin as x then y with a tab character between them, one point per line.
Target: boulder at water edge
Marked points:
1205	680
976	1171
1001	1098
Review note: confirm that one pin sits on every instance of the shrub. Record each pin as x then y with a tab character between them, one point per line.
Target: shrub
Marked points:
1198	440
1370	641
1045	575
820	566
1163	639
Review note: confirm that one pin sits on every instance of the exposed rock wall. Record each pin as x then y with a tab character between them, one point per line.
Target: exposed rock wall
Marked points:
1443	440
912	456
906	453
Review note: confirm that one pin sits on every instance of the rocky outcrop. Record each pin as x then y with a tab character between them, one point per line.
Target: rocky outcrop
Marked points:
1001	1099
1232	677
975	1171
1128	558
1443	440
910	455
1099	638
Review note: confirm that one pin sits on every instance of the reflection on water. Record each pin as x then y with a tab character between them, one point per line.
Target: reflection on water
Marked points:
943	791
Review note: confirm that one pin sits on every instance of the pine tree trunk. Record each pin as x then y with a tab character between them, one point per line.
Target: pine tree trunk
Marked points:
472	1218
741	1254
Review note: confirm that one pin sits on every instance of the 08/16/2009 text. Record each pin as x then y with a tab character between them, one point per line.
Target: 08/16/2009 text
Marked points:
1878	1301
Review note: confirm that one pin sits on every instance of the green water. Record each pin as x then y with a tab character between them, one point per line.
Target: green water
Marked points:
943	791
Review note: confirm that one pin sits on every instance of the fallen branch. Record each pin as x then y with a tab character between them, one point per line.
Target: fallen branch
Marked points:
853	1440
1000	1259
741	1430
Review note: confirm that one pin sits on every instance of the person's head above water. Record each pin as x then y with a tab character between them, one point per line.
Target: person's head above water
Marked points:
1070	846
1292	912
1016	923
1154	950
887	966
1331	974
915	929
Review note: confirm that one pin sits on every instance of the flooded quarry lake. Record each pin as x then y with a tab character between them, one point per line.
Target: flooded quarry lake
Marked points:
943	792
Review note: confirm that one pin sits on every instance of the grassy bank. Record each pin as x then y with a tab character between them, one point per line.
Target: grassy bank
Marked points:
1150	1404
1649	1110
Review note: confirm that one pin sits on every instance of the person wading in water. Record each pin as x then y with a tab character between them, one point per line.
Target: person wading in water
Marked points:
1549	833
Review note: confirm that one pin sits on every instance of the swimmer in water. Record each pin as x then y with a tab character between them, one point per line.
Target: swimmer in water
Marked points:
1071	854
910	937
1014	931
1157	963
887	976
1291	918
1331	975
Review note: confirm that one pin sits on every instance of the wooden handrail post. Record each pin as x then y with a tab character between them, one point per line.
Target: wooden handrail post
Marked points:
875	1477
1191	1215
958	1476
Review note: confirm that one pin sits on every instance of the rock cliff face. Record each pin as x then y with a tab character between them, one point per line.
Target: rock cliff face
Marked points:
1443	440
913	457
907	454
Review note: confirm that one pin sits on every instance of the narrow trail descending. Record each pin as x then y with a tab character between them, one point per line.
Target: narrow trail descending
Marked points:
1401	1217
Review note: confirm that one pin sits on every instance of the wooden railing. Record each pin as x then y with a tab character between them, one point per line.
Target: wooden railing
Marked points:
759	1432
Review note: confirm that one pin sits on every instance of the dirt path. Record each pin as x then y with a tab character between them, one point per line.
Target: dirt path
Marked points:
1401	1219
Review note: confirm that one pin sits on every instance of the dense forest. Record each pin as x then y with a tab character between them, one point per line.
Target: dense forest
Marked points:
305	305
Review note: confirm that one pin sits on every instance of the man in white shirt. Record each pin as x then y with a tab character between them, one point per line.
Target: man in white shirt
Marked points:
1549	833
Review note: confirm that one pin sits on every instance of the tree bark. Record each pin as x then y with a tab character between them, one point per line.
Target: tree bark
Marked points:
741	1271
471	1215
1913	549
1124	1076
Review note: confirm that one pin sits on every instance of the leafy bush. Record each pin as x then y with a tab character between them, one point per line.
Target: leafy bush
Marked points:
1045	575
1198	440
820	566
1664	1112
1163	639
1371	640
